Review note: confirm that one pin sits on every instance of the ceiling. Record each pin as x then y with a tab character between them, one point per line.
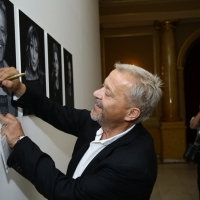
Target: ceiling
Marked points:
131	13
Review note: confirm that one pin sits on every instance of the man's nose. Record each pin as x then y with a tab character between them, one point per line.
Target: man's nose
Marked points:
98	93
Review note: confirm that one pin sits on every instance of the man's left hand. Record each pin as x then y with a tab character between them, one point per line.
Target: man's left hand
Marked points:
11	127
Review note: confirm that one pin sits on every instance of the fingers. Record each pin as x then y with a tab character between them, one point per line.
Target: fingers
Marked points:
8	119
3	125
12	85
2	118
4	121
8	71
11	128
5	73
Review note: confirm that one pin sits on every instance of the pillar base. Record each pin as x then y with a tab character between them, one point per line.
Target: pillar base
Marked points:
173	142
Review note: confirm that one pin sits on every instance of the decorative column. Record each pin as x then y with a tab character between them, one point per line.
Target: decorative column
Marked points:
170	109
172	127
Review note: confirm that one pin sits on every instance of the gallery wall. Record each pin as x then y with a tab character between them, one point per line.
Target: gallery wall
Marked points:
75	26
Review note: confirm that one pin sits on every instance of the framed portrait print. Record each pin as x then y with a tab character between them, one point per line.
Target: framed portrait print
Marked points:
7	52
32	54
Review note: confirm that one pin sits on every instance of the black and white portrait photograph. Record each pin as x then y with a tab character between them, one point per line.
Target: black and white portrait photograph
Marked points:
32	54
55	70
68	72
7	52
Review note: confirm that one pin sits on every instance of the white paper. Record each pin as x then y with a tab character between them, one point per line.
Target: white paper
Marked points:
5	151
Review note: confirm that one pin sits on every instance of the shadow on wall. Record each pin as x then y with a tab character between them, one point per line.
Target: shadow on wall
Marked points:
62	141
51	141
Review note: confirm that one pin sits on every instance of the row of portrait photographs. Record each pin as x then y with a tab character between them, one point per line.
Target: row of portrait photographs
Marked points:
32	49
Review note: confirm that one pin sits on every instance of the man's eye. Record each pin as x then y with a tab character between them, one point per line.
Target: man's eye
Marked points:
107	94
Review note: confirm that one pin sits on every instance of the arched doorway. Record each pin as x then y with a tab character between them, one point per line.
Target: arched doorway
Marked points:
192	86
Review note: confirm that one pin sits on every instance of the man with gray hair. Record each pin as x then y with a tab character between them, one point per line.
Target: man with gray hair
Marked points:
5	95
114	156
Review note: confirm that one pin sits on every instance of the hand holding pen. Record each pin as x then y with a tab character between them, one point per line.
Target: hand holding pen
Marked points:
14	77
9	78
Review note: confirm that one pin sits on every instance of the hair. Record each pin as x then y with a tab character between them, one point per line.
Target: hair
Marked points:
145	91
3	9
32	33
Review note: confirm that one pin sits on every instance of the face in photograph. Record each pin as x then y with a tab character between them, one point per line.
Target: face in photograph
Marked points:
69	88
32	51
55	70
55	64
69	77
34	57
55	67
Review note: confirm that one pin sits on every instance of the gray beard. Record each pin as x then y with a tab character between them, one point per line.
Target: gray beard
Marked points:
100	120
97	118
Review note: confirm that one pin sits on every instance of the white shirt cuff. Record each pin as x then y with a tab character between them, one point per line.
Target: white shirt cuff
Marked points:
15	98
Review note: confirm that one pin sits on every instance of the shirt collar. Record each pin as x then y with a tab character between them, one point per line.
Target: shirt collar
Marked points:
109	140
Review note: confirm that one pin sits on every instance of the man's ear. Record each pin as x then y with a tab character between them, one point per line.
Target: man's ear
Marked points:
132	114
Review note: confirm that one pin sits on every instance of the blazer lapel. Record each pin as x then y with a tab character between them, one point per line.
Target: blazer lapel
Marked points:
80	152
124	140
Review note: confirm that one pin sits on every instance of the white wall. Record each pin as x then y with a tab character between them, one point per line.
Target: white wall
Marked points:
74	24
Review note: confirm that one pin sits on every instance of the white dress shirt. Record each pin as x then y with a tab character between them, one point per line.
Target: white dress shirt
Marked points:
95	147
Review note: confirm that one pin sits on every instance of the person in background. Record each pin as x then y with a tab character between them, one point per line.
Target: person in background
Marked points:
5	94
195	124
114	156
34	75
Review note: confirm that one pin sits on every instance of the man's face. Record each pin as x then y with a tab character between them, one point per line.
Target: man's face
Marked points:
56	65
111	102
3	35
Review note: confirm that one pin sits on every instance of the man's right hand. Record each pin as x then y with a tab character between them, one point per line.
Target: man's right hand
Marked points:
14	85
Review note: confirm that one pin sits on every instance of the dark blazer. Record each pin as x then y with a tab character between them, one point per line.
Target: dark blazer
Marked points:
124	170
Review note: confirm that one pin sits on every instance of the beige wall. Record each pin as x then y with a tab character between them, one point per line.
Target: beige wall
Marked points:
75	25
